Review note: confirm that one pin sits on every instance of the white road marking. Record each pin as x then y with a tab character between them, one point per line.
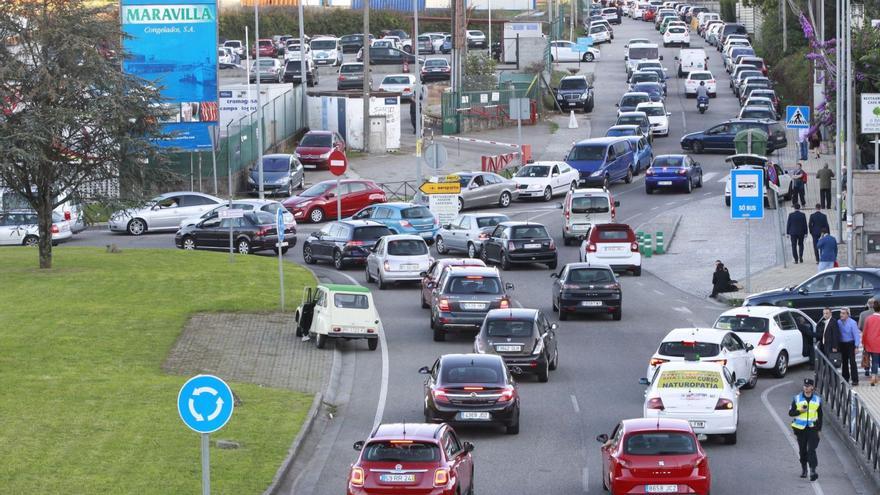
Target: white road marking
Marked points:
586	479
682	309
670	203
640	284
708	177
723	179
657	292
574	404
655	208
786	430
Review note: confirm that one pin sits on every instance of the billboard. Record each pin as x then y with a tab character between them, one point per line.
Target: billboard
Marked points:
173	44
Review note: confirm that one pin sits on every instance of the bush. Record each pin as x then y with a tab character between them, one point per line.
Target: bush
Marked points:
479	72
728	10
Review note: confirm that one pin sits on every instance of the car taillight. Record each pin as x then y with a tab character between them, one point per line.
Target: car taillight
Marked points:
441	477
656	403
724	405
446	69
591	247
507	394
511	246
567	214
504	304
483	235
405	224
634	247
658	361
351	244
711	81
55	229
443	305
552	245
357	476
387	266
262	231
342	78
766	339
440	395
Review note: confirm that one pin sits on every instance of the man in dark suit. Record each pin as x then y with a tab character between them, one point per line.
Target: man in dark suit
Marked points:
827	332
818	221
796	228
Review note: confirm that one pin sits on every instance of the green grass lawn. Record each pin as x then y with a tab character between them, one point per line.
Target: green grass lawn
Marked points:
84	404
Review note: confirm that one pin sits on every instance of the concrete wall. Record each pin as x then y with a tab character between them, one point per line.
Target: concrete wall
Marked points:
532	51
345	115
866	184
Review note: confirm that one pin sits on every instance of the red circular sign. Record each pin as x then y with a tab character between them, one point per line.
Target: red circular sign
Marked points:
337	162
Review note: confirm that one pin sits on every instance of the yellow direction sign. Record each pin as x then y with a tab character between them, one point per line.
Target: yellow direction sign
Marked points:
440	188
450	178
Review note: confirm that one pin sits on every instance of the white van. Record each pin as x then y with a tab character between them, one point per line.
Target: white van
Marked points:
326	51
584	208
641	52
691	59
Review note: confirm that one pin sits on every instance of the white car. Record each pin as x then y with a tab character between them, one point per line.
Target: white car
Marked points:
566	51
236	45
19	228
224	57
657	116
783	178
600	34
476	39
332	311
677	35
634	41
712	345
266	205
397	258
293	51
702	393
399	83
612	244
694	78
777	333
545	179
164	212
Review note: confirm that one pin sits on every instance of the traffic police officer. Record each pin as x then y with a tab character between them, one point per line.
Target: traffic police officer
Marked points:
806	409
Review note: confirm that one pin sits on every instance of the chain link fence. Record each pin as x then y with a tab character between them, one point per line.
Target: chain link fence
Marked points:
485	109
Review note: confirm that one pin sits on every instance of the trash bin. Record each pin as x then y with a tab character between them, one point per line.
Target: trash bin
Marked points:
751	141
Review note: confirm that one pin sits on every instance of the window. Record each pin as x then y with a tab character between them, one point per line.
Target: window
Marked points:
365	213
492	179
321	298
227	223
785	321
822	283
682	349
573	83
339	231
370	234
529	232
478	181
660	443
590	204
483	222
477	373
587	152
509	328
382	212
474	285
351	301
390	451
325	230
852	281
172	202
416	212
590	276
668	161
464	223
499	230
613	235
407	247
743	323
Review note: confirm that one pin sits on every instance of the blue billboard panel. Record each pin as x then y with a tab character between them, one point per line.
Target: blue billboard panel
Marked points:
173	44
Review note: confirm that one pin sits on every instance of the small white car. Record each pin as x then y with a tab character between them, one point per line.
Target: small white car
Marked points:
705	394
399	83
225	58
545	179
600	34
19	228
677	35
397	258
336	311
694	78
612	244
293	52
476	39
566	51
712	345
657	116
236	45
777	333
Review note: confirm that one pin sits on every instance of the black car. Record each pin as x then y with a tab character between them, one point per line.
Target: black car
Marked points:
524	338
575	92
390	56
293	73
471	389
834	288
351	43
255	231
463	296
343	243
586	288
721	137
519	243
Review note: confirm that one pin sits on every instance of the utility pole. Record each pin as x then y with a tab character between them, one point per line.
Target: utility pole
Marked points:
417	94
459	45
784	26
303	66
838	115
850	136
259	99
367	77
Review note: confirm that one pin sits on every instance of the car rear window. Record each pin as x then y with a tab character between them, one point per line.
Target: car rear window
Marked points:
633	100
756	113
668	161
474	285
630	120
653	111
401	451
372	233
616	132
590	204
701	76
416	212
396	80
509	328
615	235
660	443
682	349
736	323
407	247
590	276
262	218
436	62
489	221
690	379
351	68
529	232
471	373
351	301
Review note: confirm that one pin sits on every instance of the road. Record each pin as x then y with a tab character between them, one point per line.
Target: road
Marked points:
601	360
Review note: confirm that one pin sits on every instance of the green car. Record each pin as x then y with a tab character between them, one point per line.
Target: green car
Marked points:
665	18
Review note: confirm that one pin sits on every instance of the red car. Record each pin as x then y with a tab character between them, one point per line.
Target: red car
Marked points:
648	14
318	203
428	459
315	147
266	47
654	456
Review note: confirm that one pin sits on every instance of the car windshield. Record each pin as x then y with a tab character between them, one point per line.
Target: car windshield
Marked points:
407	247
668	161
318	189
640	52
351	301
590	204
633	100
436	62
396	80
509	328
622	131
416	212
490	221
401	451
472	373
324	45
474	285
660	443
316	140
682	349
630	120
371	233
266	63
653	111
464	180
276	164
590	276
755	113
574	83
587	152
351	68
529	232
742	323
533	171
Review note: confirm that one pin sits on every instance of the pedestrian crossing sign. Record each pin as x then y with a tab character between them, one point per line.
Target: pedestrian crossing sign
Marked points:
797	117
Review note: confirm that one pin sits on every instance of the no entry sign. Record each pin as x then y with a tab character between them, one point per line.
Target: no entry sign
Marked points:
338	162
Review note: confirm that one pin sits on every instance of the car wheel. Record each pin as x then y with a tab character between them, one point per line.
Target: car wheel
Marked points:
290	189
372	344
243	246
136	226
589	107
552	59
548	194
471	250
505	263
504	200
439	333
382	284
629	176
307	255
574	185
513	428
553	304
316	215
544	373
649	190
369	277
698	147
700	180
189	243
425	304
729	439
753	377
781	367
727	201
441	245
637	271
484	255
302	182
555	363
460	204
552	265
606	182
689	188
30	240
338	263
320	341
589	57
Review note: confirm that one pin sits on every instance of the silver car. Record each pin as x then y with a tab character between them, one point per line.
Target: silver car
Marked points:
164	212
485	189
266	205
397	258
465	233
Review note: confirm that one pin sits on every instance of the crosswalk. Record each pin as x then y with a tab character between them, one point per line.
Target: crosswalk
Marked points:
718	177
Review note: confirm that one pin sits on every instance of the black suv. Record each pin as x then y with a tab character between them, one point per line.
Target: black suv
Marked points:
471	389
463	296
575	92
293	72
343	243
586	288
519	243
524	338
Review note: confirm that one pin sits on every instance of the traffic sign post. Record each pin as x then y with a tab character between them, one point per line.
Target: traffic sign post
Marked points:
280	245
205	405
797	117
443	197
746	203
435	156
338	164
231	213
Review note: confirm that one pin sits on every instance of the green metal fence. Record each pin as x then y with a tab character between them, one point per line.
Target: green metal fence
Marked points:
485	109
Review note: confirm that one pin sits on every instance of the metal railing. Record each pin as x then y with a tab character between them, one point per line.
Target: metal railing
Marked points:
400	191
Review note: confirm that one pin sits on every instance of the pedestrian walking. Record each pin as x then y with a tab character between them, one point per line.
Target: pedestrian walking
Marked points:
799	185
863	317
850	340
871	341
817	224
827	247
806	409
796	228
825	175
803	141
721	281
412	113
827	333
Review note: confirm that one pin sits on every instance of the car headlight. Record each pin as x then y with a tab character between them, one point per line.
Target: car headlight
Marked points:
283	180
597	173
558	97
539	348
296	154
326	155
535	187
583	96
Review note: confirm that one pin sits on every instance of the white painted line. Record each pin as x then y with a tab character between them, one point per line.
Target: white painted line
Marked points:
574	404
682	309
786	430
586	479
670	203
639	283
658	292
708	177
655	208
723	179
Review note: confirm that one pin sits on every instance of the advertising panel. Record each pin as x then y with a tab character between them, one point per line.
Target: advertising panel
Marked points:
173	44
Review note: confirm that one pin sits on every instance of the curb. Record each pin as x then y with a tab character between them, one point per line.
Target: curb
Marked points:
674	230
284	470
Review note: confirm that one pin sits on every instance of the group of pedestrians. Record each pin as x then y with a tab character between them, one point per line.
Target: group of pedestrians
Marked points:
840	337
824	244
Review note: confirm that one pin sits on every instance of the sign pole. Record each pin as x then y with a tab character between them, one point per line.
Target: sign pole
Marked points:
214	155
206	464
338	200
259	99
279	233
748	255
205	404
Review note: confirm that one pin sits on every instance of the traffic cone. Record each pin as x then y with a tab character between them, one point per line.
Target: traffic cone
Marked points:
572	122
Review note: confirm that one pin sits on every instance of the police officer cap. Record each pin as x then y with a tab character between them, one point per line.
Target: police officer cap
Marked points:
809	382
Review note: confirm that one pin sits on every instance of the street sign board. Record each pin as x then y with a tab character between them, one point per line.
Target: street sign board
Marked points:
870	113
435	156
520	109
444	207
797	117
453	188
338	162
450	178
279	227
746	194
205	403
231	213
584	42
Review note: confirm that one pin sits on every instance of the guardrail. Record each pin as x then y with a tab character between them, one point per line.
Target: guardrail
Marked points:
852	414
400	191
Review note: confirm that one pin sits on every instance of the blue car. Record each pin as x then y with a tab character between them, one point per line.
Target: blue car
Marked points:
601	161
402	218
446	47
654	90
642	147
721	137
679	172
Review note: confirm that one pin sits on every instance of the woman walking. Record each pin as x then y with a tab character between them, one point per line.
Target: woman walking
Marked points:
871	341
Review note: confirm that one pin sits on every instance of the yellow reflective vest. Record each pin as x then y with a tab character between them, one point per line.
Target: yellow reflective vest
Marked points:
808	418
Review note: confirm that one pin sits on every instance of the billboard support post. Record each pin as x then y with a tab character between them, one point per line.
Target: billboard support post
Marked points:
303	66
214	139
259	100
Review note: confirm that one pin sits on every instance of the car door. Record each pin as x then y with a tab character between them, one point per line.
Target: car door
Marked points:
609	449
191	205
815	294
853	289
210	234
492	245
735	353
321	319
364	214
376	257
322	244
457	231
567	52
477	191
163	214
463	465
716	137
790	334
550	335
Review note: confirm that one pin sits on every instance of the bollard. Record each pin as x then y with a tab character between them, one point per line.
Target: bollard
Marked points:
659	246
649	248
640	238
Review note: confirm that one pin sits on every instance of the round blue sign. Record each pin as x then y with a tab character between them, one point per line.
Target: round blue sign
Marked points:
205	403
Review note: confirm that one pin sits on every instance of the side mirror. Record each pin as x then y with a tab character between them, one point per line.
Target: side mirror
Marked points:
423	274
740	383
675	58
329	195
644	381
359	445
617	105
558	206
554	326
424	370
668	114
554	275
508	286
616	204
468	447
750	347
447	226
802	290
661	57
431	285
602	438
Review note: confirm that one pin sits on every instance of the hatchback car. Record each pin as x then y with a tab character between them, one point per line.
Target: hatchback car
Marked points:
513	243
399	83
282	174
436	69
545	179
432	275
265	205
524	338
612	244
677	35
343	243
319	202
293	72
654	456
584	208
629	101
711	345
402	218
471	389
315	147
270	70
252	232
337	311
694	78
397	258
673	172
21	228
463	296
721	137
467	232
164	212
657	116
413	458
638	118
585	288
351	76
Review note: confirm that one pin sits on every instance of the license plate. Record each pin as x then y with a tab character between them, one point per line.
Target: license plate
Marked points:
614	248
665	182
591	303
354	329
481	415
697	424
661	488
508	348
409	267
571	104
473	306
531	246
397	478
581	227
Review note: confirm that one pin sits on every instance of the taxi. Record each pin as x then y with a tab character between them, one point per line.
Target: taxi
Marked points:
705	394
337	311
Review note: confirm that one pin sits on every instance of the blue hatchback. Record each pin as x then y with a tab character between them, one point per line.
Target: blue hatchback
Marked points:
601	161
402	218
679	172
654	90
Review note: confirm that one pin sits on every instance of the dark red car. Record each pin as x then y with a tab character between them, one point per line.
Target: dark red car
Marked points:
266	47
318	203
430	277
428	459
654	456
315	147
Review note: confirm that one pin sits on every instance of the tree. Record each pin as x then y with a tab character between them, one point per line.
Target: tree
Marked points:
70	116
479	72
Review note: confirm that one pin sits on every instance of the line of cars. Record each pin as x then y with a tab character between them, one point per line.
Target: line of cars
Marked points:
18	221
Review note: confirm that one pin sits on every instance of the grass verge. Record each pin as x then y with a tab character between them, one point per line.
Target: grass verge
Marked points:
85	405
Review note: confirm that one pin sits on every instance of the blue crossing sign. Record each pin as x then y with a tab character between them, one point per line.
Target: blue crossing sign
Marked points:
583	43
797	117
746	194
205	403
